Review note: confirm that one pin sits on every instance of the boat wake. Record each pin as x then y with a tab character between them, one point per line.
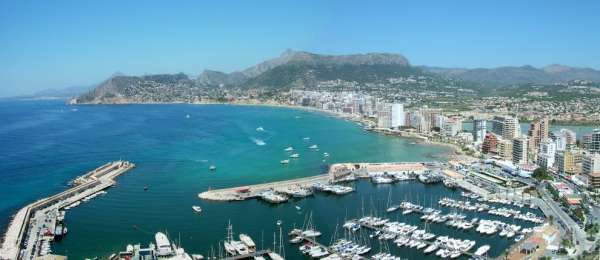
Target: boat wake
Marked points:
258	141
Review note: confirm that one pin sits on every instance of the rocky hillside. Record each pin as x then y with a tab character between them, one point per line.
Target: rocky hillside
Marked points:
293	69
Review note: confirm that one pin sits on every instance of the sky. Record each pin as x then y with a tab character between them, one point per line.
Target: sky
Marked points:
58	44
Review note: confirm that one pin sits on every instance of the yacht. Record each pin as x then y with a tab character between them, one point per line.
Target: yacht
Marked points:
314	146
289	149
275	256
286	161
295	155
482	250
197	209
212	167
260	129
247	240
163	246
430	249
325	154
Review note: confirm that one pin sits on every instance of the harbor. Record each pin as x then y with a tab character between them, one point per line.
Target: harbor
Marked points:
450	223
36	225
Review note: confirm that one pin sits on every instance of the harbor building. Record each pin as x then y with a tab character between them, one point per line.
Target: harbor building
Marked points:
520	150
538	132
591	169
479	130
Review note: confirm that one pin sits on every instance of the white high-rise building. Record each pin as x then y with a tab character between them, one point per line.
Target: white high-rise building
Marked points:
384	116
546	154
397	115
479	130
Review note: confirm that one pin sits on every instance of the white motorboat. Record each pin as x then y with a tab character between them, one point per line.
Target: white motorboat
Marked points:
482	250
314	146
295	155
289	149
197	209
286	161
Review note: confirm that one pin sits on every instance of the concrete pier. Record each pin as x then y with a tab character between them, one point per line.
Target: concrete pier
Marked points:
23	236
336	172
252	191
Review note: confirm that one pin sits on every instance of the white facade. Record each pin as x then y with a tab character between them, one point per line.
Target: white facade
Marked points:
397	115
479	130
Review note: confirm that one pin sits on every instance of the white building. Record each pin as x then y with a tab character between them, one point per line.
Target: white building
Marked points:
451	126
397	115
479	130
546	154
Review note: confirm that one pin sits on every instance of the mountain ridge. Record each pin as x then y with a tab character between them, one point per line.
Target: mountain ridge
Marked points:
305	70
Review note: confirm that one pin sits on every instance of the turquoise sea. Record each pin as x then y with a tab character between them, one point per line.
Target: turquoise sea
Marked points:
44	144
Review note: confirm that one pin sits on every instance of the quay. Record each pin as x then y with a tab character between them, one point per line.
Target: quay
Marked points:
253	191
24	236
336	173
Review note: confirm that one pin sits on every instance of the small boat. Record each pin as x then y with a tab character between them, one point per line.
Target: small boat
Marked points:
198	209
325	154
286	161
289	149
212	167
187	116
194	257
295	155
314	146
482	250
145	188
260	129
306	138
298	208
296	240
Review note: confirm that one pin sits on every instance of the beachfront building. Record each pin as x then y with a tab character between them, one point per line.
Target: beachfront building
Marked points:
384	115
504	149
451	126
479	130
538	132
520	150
546	154
397	115
568	161
594	142
591	169
489	144
564	139
506	126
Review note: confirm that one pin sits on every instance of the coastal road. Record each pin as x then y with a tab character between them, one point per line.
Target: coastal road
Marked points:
580	236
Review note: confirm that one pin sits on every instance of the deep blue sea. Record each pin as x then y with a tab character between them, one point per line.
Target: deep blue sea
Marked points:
45	144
